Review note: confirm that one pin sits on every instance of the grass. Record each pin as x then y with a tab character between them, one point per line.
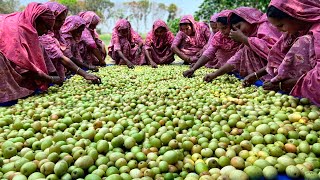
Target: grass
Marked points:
105	38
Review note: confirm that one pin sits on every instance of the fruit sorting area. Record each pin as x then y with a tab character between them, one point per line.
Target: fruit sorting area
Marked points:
155	124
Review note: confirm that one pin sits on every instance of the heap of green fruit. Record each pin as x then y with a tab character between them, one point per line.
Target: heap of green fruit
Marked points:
155	124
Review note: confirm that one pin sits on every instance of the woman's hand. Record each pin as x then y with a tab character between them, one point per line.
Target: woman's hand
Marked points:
188	73
271	86
139	50
209	77
93	78
199	54
102	63
153	65
238	35
250	79
130	65
56	80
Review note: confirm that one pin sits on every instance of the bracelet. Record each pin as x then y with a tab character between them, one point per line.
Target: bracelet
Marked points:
51	79
280	86
77	70
256	75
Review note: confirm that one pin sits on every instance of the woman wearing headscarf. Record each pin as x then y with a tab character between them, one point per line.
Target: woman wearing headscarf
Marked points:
93	50
23	68
126	45
221	47
71	32
214	29
190	39
56	47
257	35
294	61
158	44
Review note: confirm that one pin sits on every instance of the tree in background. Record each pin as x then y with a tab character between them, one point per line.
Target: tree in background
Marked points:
140	12
144	11
172	9
174	25
209	7
71	4
8	6
98	6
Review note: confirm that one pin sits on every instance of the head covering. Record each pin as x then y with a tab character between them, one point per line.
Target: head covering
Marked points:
305	10
19	38
125	24
188	19
57	8
251	15
160	41
219	40
90	17
225	13
198	27
214	17
72	23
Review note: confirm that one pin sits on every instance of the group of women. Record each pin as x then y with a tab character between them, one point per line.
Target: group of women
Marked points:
280	47
41	44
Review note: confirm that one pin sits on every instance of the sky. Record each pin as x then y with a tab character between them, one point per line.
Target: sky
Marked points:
186	6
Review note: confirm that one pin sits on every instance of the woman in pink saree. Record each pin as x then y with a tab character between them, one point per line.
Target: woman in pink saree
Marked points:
214	29
126	45
22	64
56	47
221	47
257	35
93	50
158	44
190	39
71	32
294	61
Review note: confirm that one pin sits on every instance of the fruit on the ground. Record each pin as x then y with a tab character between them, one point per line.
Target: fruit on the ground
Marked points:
155	124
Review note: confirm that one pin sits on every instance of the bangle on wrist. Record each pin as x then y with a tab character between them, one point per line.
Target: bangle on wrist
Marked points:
256	75
280	86
51	79
77	70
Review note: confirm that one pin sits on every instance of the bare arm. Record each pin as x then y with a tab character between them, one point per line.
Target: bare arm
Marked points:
82	64
221	71
98	56
288	85
76	69
251	78
44	77
129	64
201	62
149	59
183	56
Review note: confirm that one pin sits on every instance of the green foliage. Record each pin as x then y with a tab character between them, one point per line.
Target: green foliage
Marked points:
209	7
68	2
174	25
172	9
8	6
98	6
71	4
